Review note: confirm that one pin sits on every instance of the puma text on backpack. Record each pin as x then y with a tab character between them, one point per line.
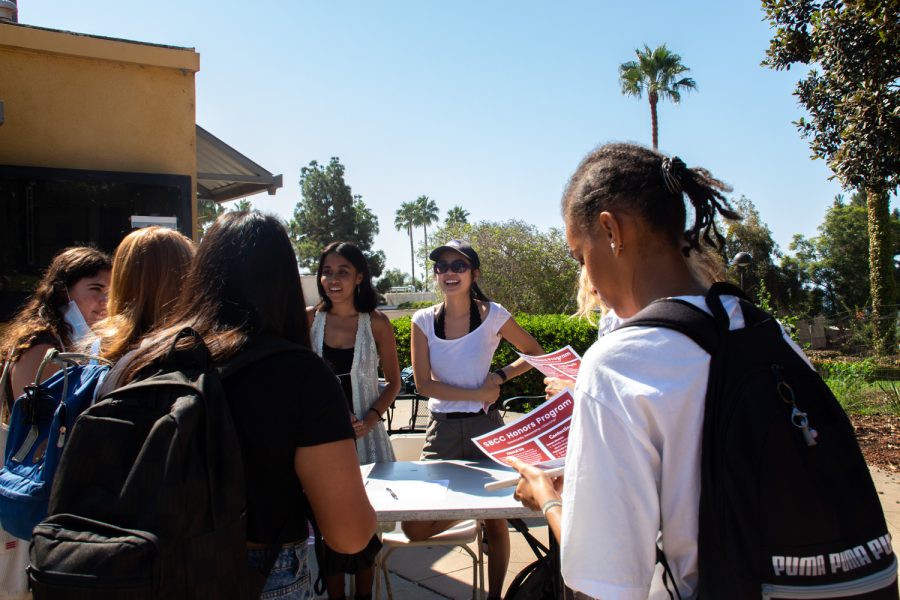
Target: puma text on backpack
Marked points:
150	497
787	506
39	424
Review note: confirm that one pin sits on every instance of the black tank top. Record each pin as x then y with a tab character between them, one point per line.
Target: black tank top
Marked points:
341	361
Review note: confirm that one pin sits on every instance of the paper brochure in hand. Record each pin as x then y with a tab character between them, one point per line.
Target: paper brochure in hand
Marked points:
537	437
562	364
512	481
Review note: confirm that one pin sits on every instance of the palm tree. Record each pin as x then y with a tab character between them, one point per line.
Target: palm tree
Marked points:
457	216
426	214
405	218
655	72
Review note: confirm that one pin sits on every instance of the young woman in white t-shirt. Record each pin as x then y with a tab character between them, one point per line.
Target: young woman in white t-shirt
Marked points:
632	469
452	346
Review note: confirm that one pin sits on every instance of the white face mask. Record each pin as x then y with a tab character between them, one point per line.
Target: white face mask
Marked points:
72	315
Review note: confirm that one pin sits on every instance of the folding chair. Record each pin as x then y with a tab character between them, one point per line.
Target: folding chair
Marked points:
409	447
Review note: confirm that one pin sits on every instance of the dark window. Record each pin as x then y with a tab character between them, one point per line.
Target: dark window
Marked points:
45	210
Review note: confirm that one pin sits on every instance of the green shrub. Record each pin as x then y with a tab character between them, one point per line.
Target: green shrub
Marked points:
850	383
862	370
416	305
891	390
551	331
402	327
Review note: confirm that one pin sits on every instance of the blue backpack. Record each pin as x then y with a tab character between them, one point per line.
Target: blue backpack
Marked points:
38	426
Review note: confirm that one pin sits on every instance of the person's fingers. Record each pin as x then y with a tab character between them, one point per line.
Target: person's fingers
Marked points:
559	484
515	463
525	469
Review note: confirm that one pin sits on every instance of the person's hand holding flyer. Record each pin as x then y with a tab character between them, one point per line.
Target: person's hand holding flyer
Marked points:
562	364
540	436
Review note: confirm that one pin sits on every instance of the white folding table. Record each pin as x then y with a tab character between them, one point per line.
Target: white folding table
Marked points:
434	490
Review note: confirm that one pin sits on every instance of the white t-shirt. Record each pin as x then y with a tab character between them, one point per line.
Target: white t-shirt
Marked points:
633	464
609	321
464	362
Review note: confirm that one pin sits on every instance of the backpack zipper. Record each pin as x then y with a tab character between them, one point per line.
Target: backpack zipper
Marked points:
865	585
75	581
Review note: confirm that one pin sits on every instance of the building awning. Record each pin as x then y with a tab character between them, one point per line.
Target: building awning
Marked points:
225	174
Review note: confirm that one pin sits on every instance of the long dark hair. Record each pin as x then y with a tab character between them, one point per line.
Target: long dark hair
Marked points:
244	282
652	186
42	313
364	298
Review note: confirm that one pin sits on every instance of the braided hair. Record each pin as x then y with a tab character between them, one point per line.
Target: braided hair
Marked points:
645	182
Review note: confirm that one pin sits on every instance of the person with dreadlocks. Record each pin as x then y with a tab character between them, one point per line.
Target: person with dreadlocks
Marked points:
633	464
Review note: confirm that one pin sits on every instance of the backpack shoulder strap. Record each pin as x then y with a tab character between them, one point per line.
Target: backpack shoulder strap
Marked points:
752	314
680	316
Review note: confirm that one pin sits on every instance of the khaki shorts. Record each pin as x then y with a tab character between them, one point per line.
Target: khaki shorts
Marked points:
451	439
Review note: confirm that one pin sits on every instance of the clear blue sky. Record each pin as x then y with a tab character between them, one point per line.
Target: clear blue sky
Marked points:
489	105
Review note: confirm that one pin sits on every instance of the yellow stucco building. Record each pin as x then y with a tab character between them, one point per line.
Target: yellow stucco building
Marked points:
97	136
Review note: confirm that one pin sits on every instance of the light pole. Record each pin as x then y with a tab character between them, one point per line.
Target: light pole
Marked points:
742	260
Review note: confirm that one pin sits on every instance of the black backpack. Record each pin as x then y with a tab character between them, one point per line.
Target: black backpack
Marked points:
787	506
149	500
539	580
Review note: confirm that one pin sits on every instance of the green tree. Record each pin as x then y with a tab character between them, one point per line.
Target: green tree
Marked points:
522	268
327	212
752	235
243	205
457	215
391	278
853	102
366	228
802	297
207	212
836	261
405	218
426	214
657	73
843	254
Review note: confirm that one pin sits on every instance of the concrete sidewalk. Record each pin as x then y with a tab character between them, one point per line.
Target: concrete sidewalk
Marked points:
887	483
442	572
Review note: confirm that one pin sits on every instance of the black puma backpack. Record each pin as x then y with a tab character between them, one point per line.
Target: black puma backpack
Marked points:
149	500
787	506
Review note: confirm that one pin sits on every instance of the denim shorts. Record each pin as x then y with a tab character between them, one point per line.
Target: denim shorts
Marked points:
289	577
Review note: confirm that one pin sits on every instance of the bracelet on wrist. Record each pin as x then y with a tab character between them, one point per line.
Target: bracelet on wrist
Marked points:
549	504
375	410
501	374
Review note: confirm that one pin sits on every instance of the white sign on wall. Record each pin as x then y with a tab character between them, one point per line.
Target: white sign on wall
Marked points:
138	221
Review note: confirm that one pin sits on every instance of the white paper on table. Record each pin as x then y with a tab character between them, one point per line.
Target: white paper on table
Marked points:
408	492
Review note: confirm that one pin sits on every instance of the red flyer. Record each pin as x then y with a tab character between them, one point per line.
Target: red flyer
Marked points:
537	437
563	364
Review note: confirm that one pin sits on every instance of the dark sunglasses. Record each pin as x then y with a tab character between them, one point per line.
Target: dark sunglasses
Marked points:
457	266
